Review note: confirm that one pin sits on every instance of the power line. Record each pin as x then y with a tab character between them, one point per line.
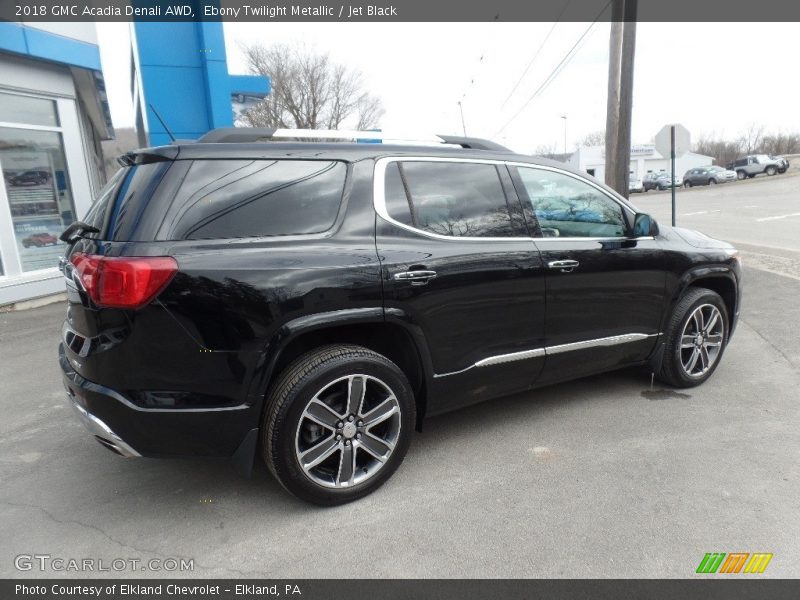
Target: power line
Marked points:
480	63
472	79
555	72
536	55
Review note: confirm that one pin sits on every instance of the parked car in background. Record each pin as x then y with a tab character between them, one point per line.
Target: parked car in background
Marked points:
755	164
635	185
783	163
660	181
708	176
35	177
40	239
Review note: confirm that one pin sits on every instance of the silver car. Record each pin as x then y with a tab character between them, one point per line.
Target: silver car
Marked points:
754	164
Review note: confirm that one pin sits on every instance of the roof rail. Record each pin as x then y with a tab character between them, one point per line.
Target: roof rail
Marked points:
258	134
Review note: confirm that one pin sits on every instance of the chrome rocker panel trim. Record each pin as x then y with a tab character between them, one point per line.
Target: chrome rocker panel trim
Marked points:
613	340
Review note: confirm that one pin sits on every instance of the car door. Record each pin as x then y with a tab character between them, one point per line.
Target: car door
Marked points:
604	287
459	266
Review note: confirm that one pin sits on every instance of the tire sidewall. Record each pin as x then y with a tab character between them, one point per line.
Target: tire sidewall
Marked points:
281	450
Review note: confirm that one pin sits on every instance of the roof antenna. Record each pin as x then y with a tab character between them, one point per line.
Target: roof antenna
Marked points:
164	125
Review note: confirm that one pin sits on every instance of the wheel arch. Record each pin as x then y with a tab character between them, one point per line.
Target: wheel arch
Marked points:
388	335
719	279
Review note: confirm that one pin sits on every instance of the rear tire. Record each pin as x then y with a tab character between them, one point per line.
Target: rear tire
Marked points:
695	337
311	438
712	182
687	184
741	175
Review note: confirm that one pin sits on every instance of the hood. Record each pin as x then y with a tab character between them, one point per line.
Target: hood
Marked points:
698	239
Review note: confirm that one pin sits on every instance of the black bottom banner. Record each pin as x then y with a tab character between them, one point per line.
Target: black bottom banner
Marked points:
400	589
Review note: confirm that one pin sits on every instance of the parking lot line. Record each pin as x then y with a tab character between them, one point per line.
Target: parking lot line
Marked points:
777	217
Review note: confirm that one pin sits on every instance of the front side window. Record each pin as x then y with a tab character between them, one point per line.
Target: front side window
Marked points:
448	198
568	207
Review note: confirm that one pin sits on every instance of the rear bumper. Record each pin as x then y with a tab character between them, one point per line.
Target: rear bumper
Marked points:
102	432
131	431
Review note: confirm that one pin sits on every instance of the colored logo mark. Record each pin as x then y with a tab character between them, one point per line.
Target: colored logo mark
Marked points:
734	562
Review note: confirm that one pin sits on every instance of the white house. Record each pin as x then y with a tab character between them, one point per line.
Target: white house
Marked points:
644	159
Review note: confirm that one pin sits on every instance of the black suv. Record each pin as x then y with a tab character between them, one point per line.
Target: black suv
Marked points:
312	302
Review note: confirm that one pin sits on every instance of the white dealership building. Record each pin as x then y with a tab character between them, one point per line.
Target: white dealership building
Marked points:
53	116
644	159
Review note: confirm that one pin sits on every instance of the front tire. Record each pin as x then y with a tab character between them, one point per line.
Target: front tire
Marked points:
741	175
696	336
712	182
338	423
771	171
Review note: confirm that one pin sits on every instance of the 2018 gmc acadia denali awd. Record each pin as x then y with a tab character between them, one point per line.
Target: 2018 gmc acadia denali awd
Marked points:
312	302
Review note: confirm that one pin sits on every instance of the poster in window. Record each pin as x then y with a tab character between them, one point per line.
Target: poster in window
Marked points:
32	187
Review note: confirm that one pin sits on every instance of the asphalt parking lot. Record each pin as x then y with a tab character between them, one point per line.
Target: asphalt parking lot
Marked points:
602	477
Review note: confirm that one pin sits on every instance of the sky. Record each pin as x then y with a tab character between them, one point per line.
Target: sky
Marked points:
714	78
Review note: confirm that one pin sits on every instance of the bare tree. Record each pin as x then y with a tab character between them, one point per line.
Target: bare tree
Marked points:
781	143
751	139
546	151
595	138
309	90
721	150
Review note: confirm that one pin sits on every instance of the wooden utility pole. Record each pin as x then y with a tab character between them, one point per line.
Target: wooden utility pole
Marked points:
612	106
622	47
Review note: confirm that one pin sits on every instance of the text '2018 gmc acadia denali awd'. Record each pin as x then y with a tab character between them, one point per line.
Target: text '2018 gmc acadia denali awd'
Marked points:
312	302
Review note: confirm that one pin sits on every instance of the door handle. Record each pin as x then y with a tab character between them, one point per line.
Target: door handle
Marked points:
415	277
565	266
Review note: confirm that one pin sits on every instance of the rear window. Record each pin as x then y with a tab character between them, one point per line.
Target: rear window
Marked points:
221	199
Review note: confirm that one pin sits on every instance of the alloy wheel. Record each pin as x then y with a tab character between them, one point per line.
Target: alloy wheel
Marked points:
348	431
701	340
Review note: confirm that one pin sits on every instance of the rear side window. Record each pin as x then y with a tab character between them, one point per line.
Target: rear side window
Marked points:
448	198
234	199
223	199
96	217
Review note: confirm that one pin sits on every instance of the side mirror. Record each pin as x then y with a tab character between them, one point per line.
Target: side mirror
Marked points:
644	225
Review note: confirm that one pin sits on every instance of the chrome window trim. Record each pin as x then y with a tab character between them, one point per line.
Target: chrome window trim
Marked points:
379	198
613	340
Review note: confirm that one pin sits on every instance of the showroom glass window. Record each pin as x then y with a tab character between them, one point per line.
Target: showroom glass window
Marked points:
35	178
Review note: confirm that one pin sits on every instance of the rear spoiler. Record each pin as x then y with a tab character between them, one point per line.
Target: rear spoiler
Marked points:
76	231
144	156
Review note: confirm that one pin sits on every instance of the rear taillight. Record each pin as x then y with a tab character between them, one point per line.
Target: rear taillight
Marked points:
123	282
